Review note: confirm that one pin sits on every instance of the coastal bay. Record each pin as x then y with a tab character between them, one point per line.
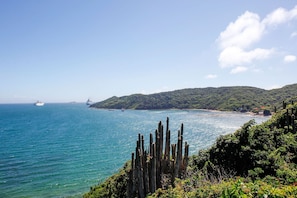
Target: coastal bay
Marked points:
60	150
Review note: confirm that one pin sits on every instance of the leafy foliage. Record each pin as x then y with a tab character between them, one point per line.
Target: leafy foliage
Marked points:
115	186
240	98
255	151
232	188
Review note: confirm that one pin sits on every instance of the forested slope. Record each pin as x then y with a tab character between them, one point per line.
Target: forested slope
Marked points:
222	98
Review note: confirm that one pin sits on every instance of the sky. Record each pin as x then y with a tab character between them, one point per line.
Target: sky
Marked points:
72	50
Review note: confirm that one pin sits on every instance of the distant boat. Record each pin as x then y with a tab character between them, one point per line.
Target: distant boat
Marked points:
89	102
39	104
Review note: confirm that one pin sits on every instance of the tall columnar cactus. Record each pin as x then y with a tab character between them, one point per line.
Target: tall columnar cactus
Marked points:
167	143
178	155
293	123
147	167
186	157
141	192
154	165
288	119
284	105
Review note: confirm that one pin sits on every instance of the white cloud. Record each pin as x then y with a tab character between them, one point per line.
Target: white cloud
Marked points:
294	34
233	56
238	69
274	87
289	58
237	40
279	16
245	31
256	70
211	76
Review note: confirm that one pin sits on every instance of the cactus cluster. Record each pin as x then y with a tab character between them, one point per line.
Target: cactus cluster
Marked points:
153	168
288	119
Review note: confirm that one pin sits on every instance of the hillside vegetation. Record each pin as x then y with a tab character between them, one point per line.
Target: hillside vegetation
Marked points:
255	161
224	98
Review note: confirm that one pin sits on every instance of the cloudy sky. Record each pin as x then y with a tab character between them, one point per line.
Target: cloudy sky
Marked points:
68	50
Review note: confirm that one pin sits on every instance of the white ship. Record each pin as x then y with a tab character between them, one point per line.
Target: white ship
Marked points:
39	104
89	102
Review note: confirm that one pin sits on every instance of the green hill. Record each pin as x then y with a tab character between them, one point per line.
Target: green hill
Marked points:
255	161
222	98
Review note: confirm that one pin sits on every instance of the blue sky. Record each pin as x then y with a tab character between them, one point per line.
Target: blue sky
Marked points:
68	50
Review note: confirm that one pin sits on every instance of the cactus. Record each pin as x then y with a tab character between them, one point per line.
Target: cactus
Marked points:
147	167
293	123
153	176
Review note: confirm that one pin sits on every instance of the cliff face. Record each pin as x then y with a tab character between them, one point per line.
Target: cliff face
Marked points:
223	98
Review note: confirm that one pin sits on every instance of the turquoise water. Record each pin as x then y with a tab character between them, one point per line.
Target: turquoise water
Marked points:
60	150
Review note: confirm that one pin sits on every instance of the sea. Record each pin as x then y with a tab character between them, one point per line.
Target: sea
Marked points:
61	150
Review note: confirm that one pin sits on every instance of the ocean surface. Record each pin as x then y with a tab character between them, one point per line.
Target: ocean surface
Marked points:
60	150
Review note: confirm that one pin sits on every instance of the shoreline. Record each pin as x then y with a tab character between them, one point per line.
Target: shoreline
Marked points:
206	110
